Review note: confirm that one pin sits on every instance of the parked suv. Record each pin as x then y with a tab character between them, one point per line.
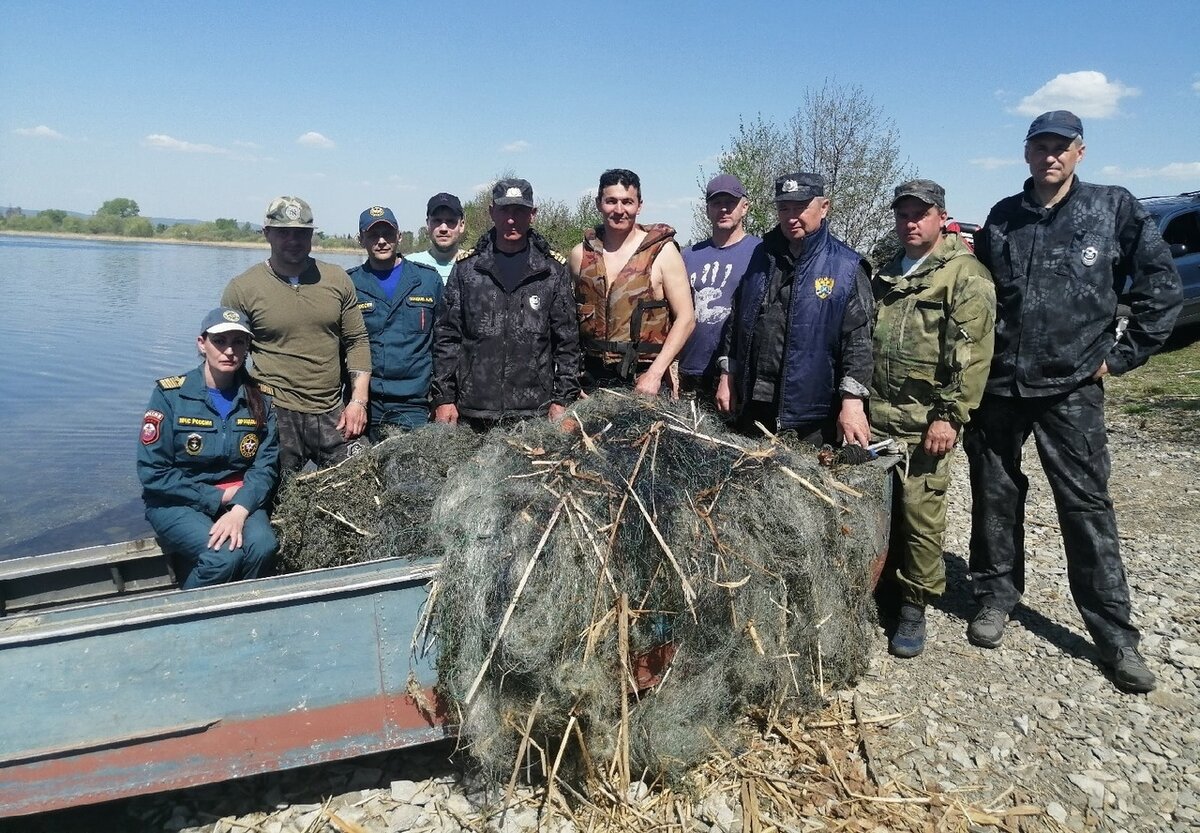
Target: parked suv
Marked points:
1178	219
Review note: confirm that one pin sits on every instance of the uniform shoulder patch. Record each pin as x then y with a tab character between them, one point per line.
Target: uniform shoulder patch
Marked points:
464	254
557	256
171	382
267	389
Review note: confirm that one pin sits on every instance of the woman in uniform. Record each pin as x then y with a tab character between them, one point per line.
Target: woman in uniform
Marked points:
208	460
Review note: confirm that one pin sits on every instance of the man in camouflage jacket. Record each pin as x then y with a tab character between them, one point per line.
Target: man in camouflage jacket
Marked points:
506	337
1060	252
934	317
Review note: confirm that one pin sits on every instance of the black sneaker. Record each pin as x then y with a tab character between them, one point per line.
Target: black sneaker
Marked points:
1130	673
987	628
909	638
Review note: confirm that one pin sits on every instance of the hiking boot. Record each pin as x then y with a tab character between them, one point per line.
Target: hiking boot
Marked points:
1130	673
987	628
909	638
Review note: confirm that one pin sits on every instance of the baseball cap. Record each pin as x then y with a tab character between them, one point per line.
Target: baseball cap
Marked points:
225	320
1060	122
288	212
443	200
725	184
926	190
376	214
512	192
799	187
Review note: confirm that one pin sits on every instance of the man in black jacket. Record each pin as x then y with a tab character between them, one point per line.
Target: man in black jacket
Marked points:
506	337
1060	252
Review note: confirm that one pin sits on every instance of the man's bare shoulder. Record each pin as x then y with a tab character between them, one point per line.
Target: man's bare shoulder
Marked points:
575	258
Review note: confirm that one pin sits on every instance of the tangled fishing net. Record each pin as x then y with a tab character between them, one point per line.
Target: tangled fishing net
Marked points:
613	598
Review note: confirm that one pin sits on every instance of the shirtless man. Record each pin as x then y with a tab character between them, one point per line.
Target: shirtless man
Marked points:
632	325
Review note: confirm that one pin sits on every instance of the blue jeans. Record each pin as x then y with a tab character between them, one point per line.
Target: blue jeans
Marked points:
184	533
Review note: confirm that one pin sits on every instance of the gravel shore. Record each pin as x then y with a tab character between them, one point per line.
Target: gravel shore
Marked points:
1035	724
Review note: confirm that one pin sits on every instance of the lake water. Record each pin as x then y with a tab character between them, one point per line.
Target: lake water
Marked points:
86	327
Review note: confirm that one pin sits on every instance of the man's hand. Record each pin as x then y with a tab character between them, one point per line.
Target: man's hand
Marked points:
649	383
940	437
448	414
228	527
1101	372
556	411
353	420
852	425
725	396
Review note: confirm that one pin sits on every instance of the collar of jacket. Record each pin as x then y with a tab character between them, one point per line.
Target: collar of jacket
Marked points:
194	387
947	250
779	246
1029	200
539	260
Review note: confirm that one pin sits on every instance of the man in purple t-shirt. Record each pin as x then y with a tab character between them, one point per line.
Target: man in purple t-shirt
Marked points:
715	267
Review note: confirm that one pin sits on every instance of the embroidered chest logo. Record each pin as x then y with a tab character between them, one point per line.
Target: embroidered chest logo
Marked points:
1089	255
194	444
823	286
535	303
248	447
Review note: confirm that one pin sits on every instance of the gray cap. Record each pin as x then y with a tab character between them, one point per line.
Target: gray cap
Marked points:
288	212
1059	122
512	192
926	190
225	320
799	187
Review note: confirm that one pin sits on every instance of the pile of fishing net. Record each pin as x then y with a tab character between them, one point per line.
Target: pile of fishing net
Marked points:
616	591
612	600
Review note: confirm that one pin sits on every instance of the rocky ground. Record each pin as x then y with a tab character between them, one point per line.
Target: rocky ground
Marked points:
1034	728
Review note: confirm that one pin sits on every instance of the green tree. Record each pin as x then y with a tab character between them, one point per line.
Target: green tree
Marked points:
120	207
54	216
839	132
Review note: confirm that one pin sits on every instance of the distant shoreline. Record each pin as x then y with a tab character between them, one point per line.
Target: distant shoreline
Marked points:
116	238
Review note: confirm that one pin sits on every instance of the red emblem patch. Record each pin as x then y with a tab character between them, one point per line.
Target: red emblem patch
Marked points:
151	427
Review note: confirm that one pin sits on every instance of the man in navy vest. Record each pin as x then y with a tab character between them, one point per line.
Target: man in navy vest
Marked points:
797	353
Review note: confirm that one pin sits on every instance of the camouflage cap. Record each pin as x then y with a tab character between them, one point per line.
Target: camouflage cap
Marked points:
512	192
1059	122
288	212
799	187
926	190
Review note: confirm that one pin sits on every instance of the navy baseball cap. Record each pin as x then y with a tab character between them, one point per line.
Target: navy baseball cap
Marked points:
443	200
725	184
1059	122
799	187
376	214
225	320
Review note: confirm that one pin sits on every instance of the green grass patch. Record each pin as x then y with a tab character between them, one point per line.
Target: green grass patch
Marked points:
1164	393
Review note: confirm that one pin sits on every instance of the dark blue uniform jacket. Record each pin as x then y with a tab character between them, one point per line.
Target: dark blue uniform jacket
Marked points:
186	448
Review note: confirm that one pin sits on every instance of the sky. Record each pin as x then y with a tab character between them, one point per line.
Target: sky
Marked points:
210	109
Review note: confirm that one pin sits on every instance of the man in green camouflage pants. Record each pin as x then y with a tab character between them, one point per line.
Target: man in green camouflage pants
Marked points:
935	309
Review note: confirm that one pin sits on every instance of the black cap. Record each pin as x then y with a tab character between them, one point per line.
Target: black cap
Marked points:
512	192
799	187
443	200
1059	122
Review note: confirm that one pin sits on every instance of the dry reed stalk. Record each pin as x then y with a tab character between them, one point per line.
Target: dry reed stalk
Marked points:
522	749
689	594
512	605
706	437
806	484
622	763
342	520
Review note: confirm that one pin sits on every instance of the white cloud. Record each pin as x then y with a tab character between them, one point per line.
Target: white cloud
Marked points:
1087	94
515	147
315	140
39	132
164	142
1196	86
1173	170
247	145
991	163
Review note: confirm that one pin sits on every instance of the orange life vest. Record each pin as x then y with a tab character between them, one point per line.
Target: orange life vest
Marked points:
620	321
